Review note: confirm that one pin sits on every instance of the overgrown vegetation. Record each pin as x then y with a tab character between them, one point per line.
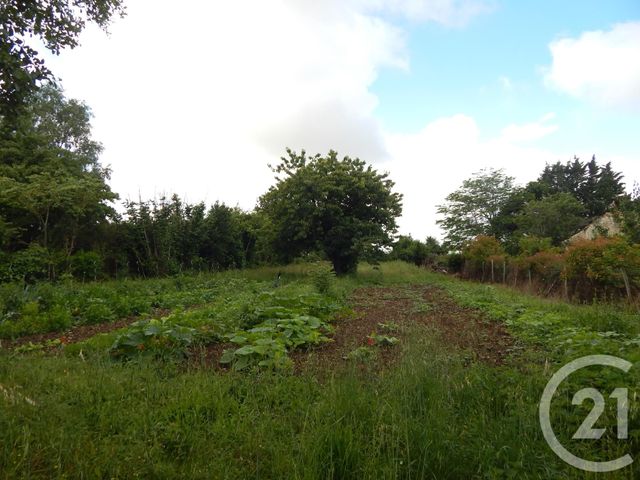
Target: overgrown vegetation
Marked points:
523	236
434	414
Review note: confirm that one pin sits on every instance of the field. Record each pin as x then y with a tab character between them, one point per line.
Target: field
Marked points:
395	372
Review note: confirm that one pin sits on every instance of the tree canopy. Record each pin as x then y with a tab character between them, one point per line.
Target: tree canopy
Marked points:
556	217
57	23
339	207
473	208
52	188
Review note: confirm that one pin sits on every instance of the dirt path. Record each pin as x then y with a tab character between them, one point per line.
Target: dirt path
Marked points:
404	307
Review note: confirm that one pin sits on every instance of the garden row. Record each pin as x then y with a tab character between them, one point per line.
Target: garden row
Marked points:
47	307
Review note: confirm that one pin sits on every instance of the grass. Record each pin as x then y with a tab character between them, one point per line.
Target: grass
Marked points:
433	415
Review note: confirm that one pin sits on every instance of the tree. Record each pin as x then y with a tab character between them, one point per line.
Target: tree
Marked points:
342	208
57	23
414	251
556	217
629	215
473	208
53	191
596	187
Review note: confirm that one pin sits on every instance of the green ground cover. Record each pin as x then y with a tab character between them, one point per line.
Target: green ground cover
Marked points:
121	411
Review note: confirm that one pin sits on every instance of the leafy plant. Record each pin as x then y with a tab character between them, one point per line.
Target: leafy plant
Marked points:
153	337
267	344
389	327
381	340
323	277
361	354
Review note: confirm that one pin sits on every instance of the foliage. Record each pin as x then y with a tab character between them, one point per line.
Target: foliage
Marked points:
562	199
470	210
389	327
58	24
482	248
557	217
531	244
381	340
342	208
596	187
44	307
53	191
361	354
323	277
455	262
414	251
604	262
169	236
157	419
628	215
153	337
286	323
86	265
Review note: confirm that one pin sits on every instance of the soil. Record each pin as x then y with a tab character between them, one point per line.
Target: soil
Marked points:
404	306
77	333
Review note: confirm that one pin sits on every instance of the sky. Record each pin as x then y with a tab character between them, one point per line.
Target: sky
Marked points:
197	98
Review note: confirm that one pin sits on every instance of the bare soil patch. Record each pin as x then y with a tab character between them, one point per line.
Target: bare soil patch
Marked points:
406	306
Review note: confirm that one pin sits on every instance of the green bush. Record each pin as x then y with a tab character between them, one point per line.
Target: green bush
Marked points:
603	266
323	277
86	266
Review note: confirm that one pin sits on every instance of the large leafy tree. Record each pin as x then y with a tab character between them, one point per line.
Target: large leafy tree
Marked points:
473	209
556	217
53	190
340	207
57	23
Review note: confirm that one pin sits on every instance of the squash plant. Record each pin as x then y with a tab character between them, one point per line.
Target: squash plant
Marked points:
153	337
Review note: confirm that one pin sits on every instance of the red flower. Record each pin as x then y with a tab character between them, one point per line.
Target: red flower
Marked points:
371	341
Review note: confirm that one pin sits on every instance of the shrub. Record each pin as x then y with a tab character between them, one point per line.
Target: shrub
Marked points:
32	263
86	265
455	262
608	265
482	250
322	276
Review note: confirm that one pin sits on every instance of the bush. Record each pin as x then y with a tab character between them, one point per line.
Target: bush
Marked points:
86	265
28	265
455	262
322	276
481	251
603	266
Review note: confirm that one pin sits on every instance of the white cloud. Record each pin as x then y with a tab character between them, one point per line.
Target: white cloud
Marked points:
600	66
198	99
432	163
530	131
